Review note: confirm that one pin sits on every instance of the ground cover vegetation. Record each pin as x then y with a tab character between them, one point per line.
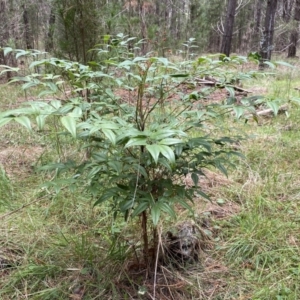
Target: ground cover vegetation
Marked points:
106	165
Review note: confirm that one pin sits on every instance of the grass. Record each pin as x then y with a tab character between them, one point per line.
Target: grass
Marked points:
60	247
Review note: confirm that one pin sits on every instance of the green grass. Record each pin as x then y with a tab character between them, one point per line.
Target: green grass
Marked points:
60	247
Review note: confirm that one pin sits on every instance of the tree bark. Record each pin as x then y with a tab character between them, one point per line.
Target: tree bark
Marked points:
294	33
287	10
28	35
268	33
49	39
143	26
228	30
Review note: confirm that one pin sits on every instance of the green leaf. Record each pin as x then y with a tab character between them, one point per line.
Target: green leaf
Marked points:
70	124
110	135
109	125
29	84
24	121
136	142
56	104
274	106
283	63
230	90
44	93
141	170
195	178
76	113
154	151
116	165
125	205
271	65
53	87
163	60
106	37
40	121
184	204
65	109
7	50
168	209
168	153
21	53
220	201
109	193
155	213
140	208
164	162
238	111
4	121
222	168
165	133
170	141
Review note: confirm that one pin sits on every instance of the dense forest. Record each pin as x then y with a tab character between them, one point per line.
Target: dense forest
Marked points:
69	28
149	149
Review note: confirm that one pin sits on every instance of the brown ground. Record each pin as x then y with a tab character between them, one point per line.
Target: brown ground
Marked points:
20	160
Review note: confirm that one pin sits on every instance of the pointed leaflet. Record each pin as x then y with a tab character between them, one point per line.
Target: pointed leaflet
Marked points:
109	193
154	151
24	121
155	213
4	121
140	208
195	178
136	141
110	135
170	141
168	209
283	63
168	153
7	50
70	124
274	106
238	111
40	120
184	204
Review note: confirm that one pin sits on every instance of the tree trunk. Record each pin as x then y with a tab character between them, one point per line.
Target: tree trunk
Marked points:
141	9
28	36
258	15
228	30
49	39
287	10
294	34
268	33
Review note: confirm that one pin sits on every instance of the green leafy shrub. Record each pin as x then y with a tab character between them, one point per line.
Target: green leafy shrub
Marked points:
144	125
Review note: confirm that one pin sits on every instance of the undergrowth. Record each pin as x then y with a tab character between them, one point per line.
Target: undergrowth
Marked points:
61	247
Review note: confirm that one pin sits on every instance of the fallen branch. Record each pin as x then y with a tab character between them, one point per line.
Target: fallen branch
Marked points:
221	85
268	111
282	108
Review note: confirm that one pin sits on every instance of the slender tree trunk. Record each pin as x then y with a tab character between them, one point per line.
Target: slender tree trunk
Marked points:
287	10
28	36
157	12
49	39
143	25
228	30
268	33
294	34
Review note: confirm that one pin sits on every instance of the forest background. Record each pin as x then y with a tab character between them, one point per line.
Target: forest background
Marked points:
69	28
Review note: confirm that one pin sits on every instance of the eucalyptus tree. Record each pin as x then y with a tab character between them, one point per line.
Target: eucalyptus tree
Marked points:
294	32
268	32
228	28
